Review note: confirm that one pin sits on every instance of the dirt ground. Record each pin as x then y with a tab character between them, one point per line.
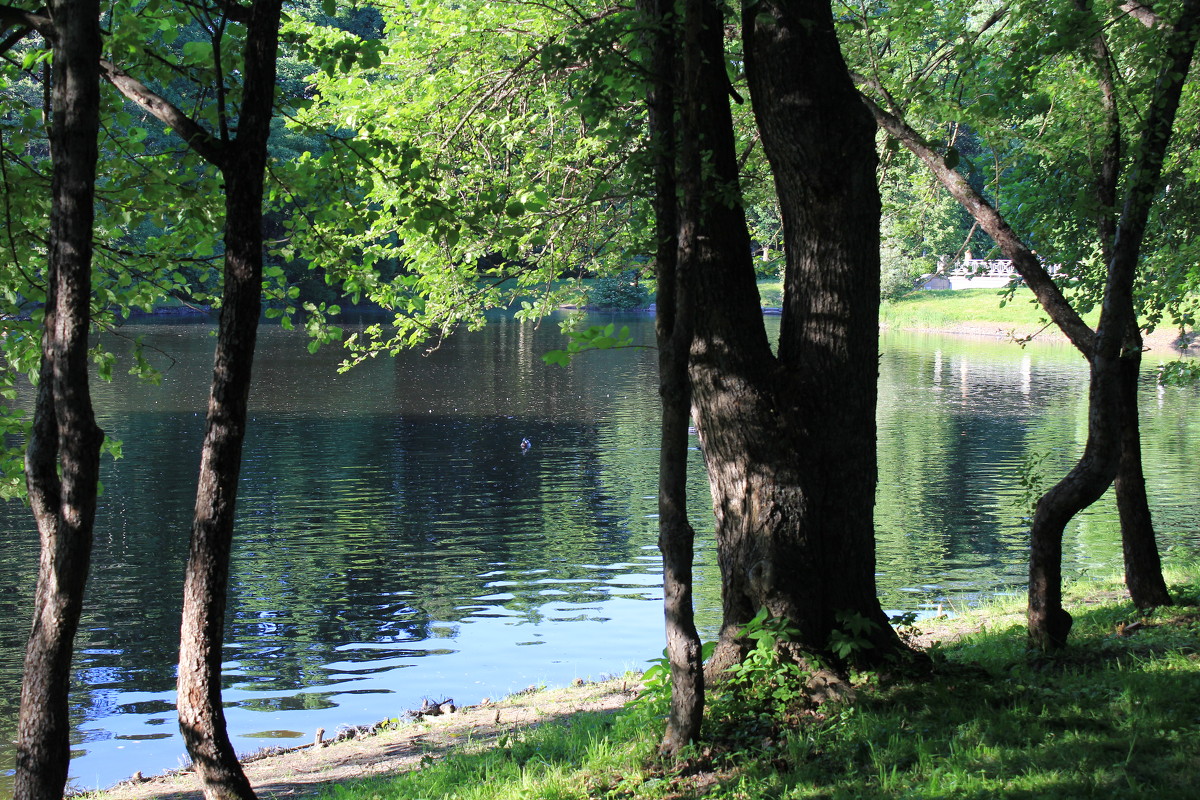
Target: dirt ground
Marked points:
300	772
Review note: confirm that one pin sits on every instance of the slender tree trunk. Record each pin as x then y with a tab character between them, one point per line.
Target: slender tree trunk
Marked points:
201	718
63	455
1049	622
730	361
1114	361
1143	567
673	332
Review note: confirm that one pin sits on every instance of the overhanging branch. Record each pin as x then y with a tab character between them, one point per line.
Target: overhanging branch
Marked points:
200	140
1026	263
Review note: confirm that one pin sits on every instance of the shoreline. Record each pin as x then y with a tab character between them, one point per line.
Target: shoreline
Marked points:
1106	620
391	746
1160	341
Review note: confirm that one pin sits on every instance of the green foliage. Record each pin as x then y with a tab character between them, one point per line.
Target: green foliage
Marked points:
1179	373
898	273
597	337
765	683
1013	101
1031	477
470	168
849	638
620	292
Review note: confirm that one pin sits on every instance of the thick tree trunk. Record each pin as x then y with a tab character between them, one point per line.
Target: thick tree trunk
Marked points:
201	718
673	332
821	146
790	441
63	455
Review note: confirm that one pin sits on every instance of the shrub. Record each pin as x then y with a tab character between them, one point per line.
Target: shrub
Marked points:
622	291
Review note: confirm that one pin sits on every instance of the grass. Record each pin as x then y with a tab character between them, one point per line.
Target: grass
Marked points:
944	310
1112	715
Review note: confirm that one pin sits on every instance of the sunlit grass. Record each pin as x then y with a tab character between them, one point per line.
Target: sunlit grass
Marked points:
558	761
948	309
1110	716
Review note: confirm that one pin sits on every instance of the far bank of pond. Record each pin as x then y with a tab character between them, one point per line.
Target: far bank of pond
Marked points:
978	312
395	542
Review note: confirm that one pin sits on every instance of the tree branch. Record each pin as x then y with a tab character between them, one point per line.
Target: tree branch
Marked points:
1026	263
1143	14
200	140
11	17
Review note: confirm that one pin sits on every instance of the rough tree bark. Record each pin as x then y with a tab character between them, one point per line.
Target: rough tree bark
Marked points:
789	441
201	717
62	461
673	332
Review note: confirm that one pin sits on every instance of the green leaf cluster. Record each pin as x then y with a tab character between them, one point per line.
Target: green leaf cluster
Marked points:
596	337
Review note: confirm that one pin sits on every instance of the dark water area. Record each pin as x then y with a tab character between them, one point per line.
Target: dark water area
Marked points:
394	542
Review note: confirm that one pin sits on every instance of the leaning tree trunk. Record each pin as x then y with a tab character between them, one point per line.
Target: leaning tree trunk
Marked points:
201	718
1112	395
1143	567
1049	622
62	461
1113	360
673	332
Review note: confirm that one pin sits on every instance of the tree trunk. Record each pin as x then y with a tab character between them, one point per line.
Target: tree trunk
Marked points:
673	332
1049	622
201	718
789	442
1143	567
1114	361
63	455
1111	445
821	146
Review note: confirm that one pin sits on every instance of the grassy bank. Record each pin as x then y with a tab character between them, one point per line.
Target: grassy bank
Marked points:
945	310
1115	715
948	310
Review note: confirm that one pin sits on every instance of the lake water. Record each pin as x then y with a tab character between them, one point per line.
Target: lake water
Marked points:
394	543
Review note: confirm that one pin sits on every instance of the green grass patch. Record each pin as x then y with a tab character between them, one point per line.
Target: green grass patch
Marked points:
587	756
770	292
945	310
1116	714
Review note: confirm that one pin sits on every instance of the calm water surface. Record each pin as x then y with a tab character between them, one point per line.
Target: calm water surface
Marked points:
394	543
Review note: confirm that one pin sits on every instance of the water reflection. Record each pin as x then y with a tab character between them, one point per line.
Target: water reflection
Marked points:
395	542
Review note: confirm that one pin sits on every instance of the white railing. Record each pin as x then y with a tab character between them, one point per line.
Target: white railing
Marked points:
982	267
